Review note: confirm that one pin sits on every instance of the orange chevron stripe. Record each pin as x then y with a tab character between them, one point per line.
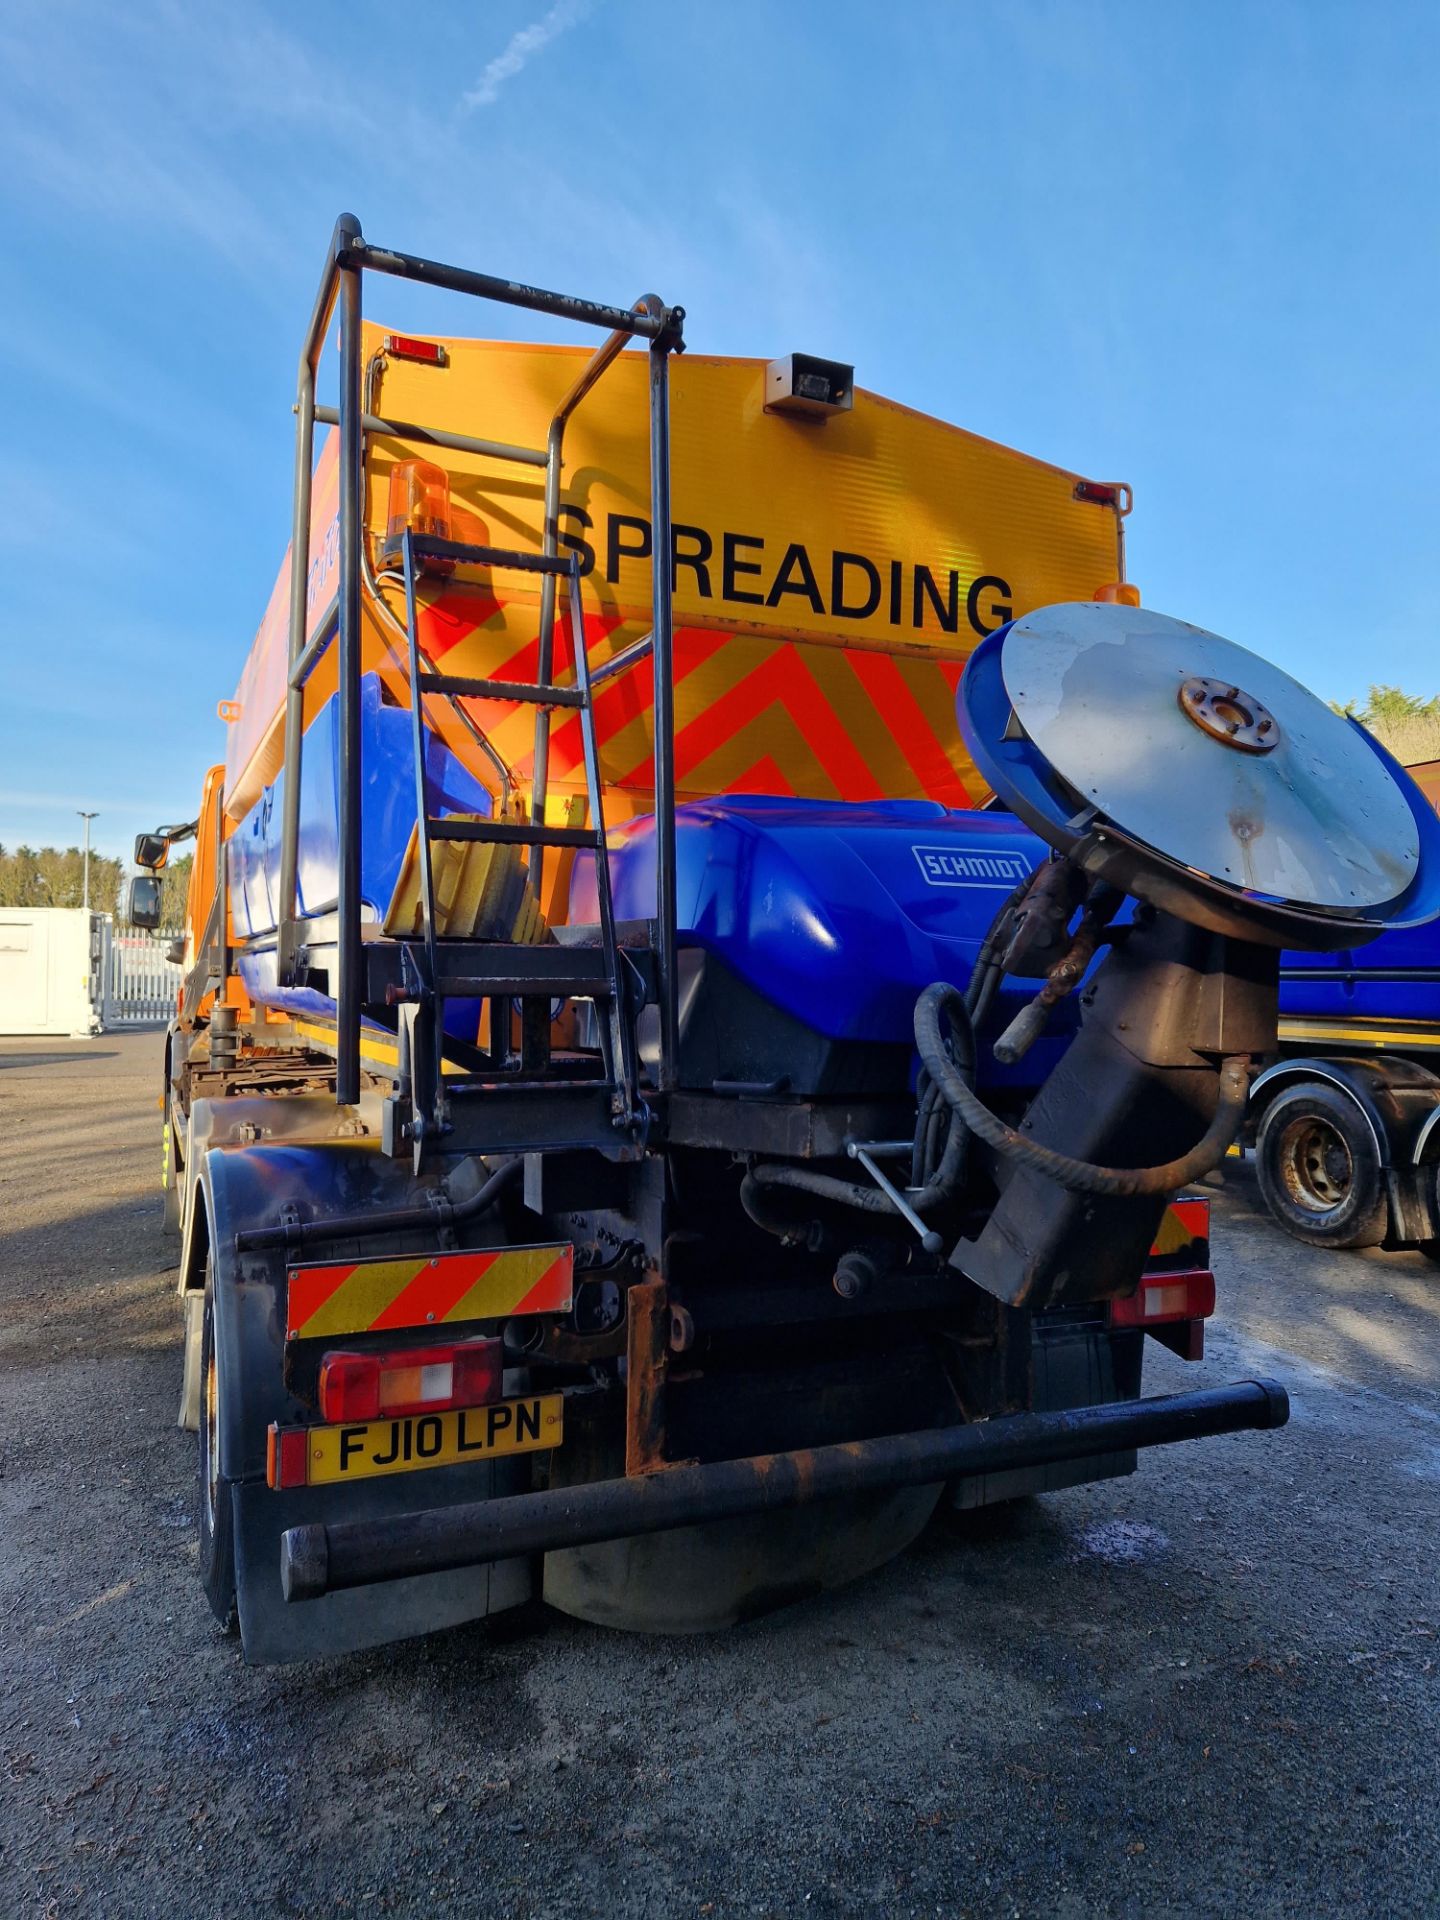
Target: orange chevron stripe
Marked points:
848	724
780	680
310	1288
763	777
629	700
1185	1221
561	1271
908	724
447	620
420	1290
778	731
433	1292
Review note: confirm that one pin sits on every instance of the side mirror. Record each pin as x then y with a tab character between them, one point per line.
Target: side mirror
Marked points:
152	850
175	952
142	901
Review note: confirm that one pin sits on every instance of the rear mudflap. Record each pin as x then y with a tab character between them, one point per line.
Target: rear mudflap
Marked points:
1073	1366
273	1632
255	1185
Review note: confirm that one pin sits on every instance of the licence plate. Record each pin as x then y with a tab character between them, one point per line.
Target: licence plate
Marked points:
365	1449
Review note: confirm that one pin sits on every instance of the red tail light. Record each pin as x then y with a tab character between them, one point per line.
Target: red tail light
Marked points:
404	346
1163	1297
375	1386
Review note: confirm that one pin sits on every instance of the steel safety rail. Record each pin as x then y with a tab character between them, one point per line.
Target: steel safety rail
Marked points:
348	257
317	1559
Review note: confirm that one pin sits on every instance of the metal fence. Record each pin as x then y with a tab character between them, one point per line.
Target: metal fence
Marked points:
140	982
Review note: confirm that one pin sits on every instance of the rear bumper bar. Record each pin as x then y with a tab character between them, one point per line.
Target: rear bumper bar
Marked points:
316	1560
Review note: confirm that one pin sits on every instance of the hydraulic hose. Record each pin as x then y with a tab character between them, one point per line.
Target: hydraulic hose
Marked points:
1076	1176
825	1186
937	1170
944	1181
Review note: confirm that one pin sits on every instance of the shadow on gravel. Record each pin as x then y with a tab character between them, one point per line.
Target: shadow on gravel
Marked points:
1373	1313
61	1263
55	1059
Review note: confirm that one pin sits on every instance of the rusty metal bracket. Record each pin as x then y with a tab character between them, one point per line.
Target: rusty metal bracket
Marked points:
647	1355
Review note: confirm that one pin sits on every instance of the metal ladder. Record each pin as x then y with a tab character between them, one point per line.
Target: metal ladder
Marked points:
359	973
524	972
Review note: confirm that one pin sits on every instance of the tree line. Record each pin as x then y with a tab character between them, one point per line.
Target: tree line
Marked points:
55	877
1405	723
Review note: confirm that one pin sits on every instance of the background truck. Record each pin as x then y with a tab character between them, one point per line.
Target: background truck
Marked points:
641	1132
1346	1124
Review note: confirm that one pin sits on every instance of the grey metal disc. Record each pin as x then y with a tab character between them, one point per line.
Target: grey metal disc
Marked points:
1315	819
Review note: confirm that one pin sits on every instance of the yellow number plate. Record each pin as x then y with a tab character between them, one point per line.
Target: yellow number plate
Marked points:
433	1439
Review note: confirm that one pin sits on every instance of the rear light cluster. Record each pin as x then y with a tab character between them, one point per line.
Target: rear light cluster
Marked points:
386	1386
1165	1297
356	1387
1173	1308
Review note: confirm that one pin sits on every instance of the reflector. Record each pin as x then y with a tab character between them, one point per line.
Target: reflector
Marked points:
404	346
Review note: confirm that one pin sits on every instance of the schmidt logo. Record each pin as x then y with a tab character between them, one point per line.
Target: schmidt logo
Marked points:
971	867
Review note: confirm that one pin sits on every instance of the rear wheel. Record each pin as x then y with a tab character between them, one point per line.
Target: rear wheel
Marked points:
216	1515
1319	1168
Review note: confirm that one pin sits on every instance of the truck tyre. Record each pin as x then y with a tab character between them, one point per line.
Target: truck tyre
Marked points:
1319	1168
216	1512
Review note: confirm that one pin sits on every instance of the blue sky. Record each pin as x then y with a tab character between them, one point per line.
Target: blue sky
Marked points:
1189	245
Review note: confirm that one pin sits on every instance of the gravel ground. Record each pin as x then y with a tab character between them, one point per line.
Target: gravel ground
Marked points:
1210	1688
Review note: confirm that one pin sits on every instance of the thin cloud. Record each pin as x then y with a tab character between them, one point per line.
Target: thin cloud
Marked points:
523	48
24	801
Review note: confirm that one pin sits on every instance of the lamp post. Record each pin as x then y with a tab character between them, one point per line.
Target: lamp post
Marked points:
87	818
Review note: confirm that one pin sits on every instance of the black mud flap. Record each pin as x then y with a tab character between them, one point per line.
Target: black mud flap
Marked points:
1074	1366
274	1633
702	1578
254	1185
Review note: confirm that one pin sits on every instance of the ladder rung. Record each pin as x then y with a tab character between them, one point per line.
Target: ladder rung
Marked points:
584	986
456	684
510	833
430	547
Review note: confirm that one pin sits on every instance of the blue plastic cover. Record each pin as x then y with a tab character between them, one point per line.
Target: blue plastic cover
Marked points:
387	813
839	913
387	817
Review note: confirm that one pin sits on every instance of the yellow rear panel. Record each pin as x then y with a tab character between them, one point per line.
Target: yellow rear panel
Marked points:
832	575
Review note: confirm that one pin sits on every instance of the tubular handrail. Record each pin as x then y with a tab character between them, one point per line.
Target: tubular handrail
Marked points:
436	437
599	361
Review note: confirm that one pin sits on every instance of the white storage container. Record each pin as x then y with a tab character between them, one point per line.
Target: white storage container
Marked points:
52	969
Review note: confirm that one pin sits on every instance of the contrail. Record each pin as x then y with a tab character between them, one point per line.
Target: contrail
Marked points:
523	47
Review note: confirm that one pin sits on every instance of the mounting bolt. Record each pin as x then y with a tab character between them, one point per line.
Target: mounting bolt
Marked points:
855	1274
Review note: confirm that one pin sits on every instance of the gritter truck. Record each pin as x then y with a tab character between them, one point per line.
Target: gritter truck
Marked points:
723	935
